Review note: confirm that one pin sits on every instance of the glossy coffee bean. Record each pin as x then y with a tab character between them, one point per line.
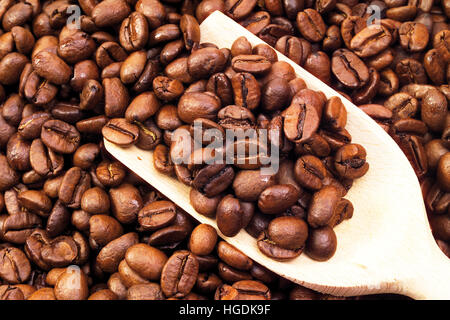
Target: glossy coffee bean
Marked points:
277	198
121	132
321	244
60	136
202	240
309	172
350	161
179	274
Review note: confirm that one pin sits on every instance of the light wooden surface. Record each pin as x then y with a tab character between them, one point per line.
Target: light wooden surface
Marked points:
387	246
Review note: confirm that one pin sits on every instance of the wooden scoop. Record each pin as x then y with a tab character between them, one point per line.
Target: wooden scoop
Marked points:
387	247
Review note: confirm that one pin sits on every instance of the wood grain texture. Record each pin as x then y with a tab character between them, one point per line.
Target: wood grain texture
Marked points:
387	247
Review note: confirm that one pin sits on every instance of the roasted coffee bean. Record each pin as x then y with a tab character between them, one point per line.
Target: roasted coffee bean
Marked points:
277	198
275	94
213	179
204	205
323	207
190	30
64	288
248	184
121	132
110	173
133	34
349	69
110	255
413	36
247	92
288	232
204	62
179	274
335	114
73	186
434	108
60	136
309	172
270	249
267	51
414	151
198	105
229	216
311	25
254	64
18	153
410	71
103	229
58	220
10	176
156	215
402	105
15	267
301	120
321	244
241	46
202	240
350	161
371	40
235	118
35	201
146	261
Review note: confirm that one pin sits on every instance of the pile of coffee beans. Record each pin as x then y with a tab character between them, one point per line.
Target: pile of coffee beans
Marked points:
76	224
247	90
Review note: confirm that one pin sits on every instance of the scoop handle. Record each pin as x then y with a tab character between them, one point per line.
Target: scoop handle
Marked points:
432	278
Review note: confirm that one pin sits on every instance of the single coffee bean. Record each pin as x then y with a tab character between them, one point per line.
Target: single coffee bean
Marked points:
146	261
247	92
213	179
371	40
14	267
277	198
73	185
254	64
103	229
121	132
323	207
110	255
309	172
64	288
60	136
311	25
202	240
321	244
179	274
156	215
133	34
110	173
190	30
301	120
349	69
198	105
350	161
413	36
229	216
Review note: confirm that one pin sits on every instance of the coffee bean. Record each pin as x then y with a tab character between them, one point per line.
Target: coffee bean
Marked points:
349	69
321	244
350	161
203	240
311	25
121	132
60	136
179	274
15	267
